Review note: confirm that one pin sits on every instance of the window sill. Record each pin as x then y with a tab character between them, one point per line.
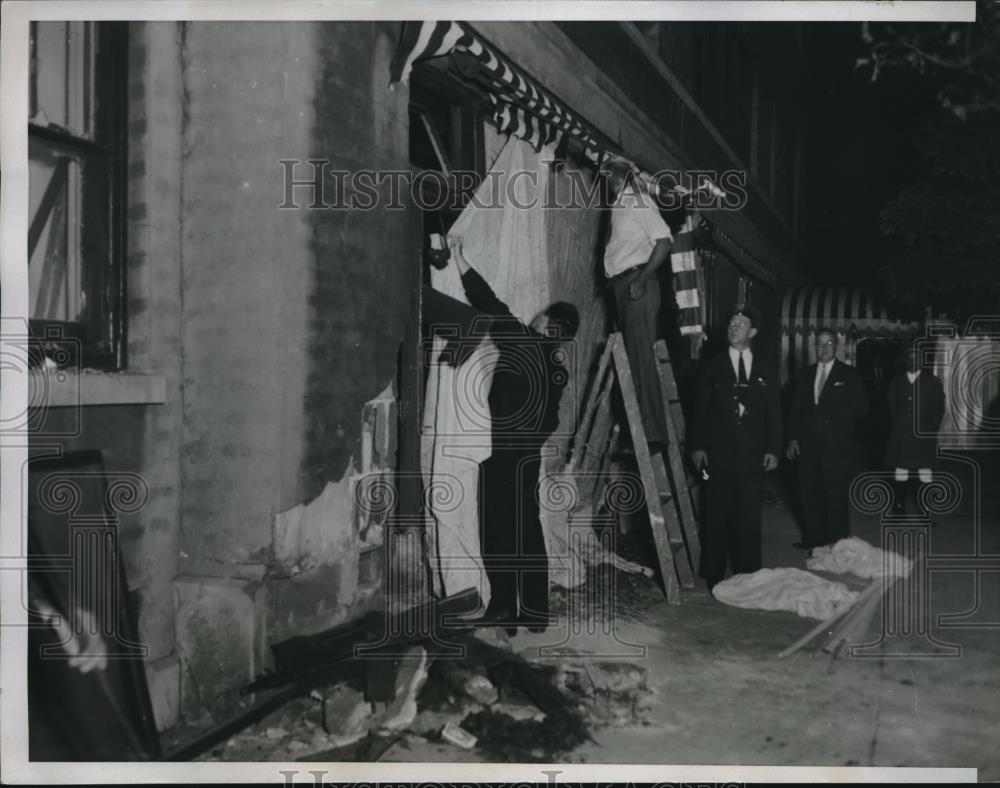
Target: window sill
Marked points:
57	389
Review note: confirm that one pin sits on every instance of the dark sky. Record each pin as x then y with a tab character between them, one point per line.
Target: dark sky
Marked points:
860	152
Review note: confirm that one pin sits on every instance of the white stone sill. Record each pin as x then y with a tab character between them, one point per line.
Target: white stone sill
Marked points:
61	389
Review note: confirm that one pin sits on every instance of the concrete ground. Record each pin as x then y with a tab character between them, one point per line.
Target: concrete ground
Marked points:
715	692
719	695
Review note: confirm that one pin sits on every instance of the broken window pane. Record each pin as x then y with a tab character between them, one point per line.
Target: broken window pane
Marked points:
55	196
62	76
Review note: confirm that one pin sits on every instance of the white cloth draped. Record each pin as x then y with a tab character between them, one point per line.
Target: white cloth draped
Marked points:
503	238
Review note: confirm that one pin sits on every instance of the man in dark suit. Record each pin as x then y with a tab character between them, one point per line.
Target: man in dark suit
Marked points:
916	402
828	402
527	386
736	438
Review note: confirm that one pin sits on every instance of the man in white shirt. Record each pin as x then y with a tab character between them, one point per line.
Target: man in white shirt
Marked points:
828	401
638	245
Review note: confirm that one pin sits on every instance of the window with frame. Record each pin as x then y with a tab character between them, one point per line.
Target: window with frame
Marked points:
446	136
77	189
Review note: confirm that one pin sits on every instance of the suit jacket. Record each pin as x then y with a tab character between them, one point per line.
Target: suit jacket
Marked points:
734	442
529	376
919	404
830	424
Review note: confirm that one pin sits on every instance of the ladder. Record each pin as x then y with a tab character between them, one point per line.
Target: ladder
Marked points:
676	446
667	493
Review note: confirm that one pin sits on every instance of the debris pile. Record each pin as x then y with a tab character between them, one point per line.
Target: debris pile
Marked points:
455	684
612	693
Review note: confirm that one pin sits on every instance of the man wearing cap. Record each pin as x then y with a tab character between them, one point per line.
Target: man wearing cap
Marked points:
735	440
638	245
828	402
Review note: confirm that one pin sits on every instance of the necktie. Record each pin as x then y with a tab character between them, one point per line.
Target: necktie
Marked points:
821	382
742	372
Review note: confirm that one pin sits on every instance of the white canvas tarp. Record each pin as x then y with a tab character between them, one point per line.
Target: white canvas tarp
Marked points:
506	244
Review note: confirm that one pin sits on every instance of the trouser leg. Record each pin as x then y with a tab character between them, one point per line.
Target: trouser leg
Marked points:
497	523
918	488
836	485
899	497
813	503
717	507
746	524
638	322
533	563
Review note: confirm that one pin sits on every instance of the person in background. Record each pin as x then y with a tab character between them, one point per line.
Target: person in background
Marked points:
916	403
828	401
736	439
524	398
639	243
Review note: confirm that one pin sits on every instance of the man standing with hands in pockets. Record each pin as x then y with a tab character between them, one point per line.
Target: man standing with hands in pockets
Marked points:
736	439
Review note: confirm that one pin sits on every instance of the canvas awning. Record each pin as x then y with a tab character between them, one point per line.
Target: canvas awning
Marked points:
853	313
521	105
840	308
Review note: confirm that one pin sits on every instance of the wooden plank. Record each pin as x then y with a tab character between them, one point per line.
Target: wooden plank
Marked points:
601	382
597	455
601	429
855	623
677	414
589	442
664	550
682	493
601	481
824	626
671	394
836	631
681	564
367	437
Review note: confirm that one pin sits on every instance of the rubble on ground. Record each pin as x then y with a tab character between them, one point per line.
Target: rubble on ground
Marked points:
482	696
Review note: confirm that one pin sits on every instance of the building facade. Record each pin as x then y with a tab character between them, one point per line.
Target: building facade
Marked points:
254	353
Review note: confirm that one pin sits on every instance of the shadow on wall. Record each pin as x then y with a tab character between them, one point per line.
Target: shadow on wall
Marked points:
365	273
576	274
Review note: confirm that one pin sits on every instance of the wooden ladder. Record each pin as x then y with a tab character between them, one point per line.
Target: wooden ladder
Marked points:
676	445
667	494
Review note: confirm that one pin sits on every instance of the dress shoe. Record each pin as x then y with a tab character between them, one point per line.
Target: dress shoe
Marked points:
534	622
495	617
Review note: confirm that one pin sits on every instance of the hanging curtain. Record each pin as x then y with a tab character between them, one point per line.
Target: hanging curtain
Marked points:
507	245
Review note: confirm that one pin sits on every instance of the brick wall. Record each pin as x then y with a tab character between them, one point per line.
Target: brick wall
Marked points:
271	329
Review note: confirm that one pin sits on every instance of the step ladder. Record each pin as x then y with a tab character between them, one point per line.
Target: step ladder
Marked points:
676	447
665	486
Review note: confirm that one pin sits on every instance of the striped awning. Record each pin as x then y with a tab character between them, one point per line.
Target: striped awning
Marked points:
840	309
855	314
511	119
507	85
684	265
523	107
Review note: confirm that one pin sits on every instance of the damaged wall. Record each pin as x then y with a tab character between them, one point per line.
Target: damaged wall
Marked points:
292	318
363	263
245	272
271	330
